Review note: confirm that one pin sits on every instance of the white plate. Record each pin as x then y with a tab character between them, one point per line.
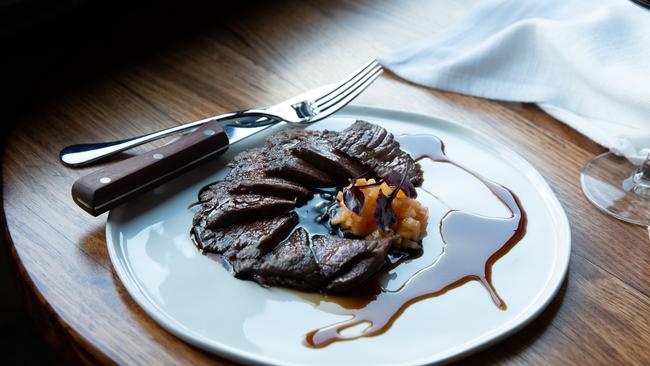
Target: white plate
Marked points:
196	299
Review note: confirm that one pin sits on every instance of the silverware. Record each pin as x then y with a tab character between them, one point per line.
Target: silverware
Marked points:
106	188
308	107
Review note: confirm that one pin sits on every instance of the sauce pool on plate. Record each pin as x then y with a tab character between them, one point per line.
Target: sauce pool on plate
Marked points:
472	244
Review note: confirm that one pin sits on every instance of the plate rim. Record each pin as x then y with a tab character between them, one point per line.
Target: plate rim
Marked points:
548	293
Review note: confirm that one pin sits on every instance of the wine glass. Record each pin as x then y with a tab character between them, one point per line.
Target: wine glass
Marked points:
619	188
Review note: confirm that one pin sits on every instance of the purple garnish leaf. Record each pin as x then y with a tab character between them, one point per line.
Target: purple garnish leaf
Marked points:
384	214
393	179
399	181
393	194
409	189
354	199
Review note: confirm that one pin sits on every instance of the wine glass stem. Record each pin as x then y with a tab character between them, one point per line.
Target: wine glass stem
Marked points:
641	179
645	169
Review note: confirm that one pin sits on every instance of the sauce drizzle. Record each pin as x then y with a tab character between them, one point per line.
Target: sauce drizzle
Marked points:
472	244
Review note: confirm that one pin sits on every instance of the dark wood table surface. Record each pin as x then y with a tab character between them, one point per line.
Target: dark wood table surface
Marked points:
258	54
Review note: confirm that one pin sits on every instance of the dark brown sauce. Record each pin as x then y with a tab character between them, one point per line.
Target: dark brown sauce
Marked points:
473	243
314	215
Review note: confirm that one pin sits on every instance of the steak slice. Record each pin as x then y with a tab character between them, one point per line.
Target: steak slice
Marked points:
328	159
360	271
246	241
317	149
223	208
334	254
372	144
291	264
293	168
276	187
252	162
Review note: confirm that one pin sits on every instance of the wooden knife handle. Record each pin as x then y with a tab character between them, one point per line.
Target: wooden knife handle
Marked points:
108	187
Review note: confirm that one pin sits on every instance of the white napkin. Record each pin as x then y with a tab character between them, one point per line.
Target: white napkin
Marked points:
585	62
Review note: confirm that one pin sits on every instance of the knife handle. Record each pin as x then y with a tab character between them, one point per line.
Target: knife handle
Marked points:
108	187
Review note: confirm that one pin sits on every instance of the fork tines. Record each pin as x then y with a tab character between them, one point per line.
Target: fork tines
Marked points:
348	89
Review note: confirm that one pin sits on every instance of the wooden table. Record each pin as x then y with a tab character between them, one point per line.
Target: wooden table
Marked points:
257	54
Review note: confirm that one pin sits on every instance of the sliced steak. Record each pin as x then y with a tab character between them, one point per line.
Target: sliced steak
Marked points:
247	217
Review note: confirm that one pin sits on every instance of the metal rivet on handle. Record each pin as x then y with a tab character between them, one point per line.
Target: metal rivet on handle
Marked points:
158	156
209	132
105	180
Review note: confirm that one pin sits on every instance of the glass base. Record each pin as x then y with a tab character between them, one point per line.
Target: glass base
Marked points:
618	187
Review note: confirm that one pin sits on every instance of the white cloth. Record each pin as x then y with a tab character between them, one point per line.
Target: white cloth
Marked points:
585	62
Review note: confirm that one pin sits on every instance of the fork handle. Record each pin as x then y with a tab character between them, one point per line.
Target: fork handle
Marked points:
106	188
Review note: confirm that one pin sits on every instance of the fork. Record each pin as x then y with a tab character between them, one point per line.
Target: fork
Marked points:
308	107
108	187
